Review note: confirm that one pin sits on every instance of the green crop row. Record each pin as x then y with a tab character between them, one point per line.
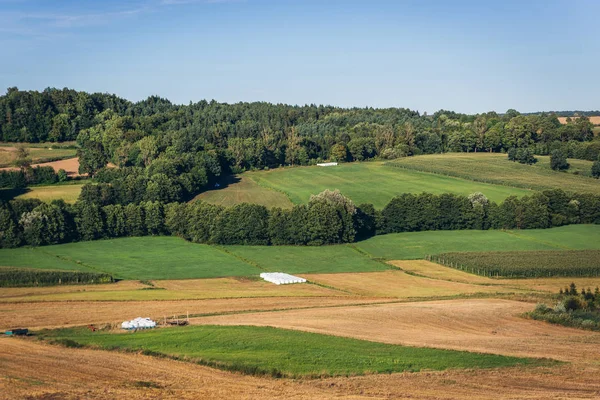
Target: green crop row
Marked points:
20	277
524	264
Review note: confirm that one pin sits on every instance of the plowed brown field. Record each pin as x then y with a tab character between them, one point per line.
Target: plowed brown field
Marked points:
480	325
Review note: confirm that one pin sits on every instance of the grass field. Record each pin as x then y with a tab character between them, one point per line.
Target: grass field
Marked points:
496	169
174	258
307	259
242	189
279	352
415	245
369	182
133	258
526	264
67	192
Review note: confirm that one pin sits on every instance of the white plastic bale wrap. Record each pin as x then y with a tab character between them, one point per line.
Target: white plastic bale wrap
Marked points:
138	323
281	278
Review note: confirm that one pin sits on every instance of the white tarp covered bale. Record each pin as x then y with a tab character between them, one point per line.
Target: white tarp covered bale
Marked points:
138	323
281	278
327	164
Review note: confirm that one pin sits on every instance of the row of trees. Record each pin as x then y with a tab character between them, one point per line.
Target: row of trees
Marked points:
17	179
328	218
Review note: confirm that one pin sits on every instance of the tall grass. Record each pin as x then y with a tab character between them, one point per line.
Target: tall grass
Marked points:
25	277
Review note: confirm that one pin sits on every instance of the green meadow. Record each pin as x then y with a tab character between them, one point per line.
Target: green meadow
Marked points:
281	352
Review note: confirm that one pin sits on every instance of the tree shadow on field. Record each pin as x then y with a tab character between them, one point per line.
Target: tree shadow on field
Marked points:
226	181
10	194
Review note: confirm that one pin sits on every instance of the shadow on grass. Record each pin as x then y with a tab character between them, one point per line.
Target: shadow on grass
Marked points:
10	194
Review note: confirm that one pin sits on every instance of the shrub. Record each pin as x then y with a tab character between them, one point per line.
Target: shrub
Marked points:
558	160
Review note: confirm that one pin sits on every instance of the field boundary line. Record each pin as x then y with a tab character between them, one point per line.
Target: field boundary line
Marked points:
238	257
523	236
69	260
262	185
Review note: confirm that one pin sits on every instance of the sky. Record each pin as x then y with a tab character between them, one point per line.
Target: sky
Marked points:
468	56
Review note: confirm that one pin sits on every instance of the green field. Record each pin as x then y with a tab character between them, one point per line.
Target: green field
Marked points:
68	192
417	245
284	353
154	257
133	258
242	189
307	259
525	264
496	169
367	182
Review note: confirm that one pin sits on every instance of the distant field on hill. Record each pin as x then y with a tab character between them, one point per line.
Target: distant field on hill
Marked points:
416	245
594	120
242	189
161	257
39	153
286	353
496	169
370	182
68	192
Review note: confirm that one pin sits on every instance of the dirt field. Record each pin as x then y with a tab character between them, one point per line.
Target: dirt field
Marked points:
30	370
593	120
480	325
55	314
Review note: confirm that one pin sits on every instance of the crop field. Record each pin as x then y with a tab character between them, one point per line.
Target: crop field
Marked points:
496	169
67	192
594	120
399	284
417	245
38	153
287	353
525	264
242	189
370	182
189	289
477	325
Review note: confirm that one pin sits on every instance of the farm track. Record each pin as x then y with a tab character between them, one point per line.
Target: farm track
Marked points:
480	325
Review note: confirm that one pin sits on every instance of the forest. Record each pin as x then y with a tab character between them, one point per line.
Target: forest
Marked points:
167	152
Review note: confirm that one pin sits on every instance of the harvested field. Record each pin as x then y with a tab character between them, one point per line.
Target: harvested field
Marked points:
437	271
480	325
400	285
594	120
44	371
70	313
38	155
190	289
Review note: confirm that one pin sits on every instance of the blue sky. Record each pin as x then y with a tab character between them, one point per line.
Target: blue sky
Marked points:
467	56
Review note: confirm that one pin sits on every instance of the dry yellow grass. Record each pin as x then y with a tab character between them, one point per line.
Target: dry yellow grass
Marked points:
69	313
437	271
480	325
40	371
400	285
189	289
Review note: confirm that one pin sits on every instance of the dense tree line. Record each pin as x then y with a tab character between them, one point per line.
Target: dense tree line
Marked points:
328	218
30	176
